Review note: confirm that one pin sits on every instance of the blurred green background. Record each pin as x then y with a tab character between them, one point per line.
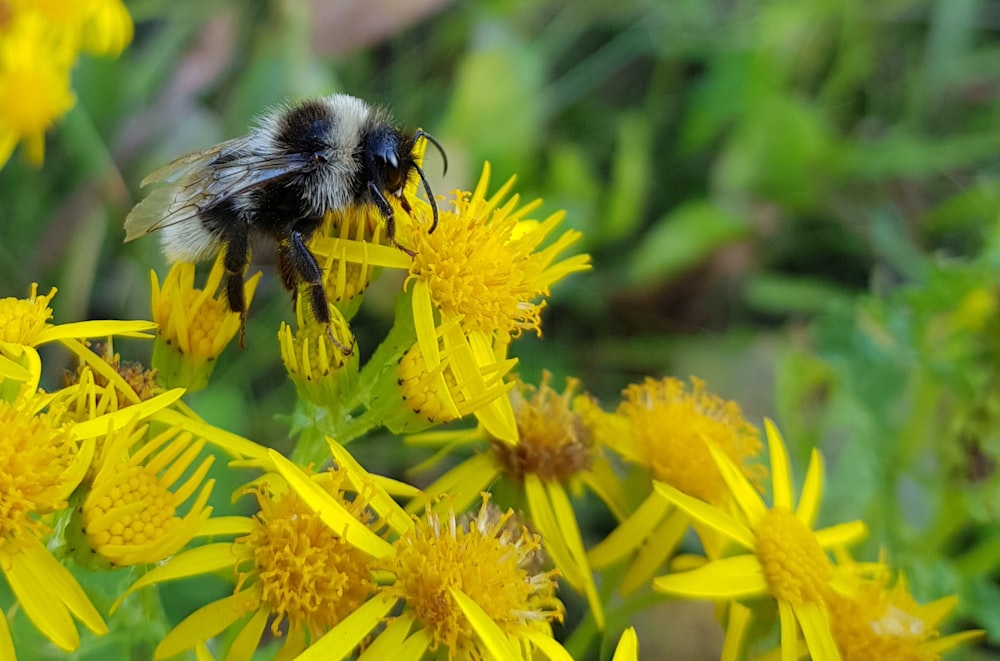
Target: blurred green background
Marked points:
796	201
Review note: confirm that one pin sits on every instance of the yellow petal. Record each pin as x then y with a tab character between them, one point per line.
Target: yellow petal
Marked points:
207	622
492	637
548	646
630	533
341	640
248	639
97	328
330	511
815	624
736	630
199	560
812	491
628	646
730	578
711	516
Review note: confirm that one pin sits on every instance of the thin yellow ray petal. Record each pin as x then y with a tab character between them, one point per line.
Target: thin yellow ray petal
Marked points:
812	491
96	328
709	515
386	643
341	640
423	322
780	470
570	532
545	520
199	560
745	494
463	483
815	624
118	419
842	534
61	583
377	497
628	646
789	639
329	510
730	578
630	533
48	614
207	622
490	634
6	642
248	639
736	630
654	551
548	646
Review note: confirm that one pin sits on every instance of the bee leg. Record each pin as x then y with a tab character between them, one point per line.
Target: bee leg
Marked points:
236	260
303	264
385	209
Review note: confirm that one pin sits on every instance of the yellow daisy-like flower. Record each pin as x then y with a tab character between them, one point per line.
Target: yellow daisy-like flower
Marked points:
42	460
664	426
871	619
554	453
289	565
195	324
129	514
483	268
785	559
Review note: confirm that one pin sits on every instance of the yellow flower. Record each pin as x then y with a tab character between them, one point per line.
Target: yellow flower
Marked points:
195	324
554	452
784	557
42	460
288	565
871	620
129	513
483	269
664	427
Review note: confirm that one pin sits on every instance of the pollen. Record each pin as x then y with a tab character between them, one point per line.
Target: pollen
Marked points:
34	456
795	567
670	423
490	559
23	319
306	572
553	442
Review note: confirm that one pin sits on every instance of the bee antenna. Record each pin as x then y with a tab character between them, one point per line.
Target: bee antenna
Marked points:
430	138
430	196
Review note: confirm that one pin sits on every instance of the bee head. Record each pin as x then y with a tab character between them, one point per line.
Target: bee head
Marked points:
389	158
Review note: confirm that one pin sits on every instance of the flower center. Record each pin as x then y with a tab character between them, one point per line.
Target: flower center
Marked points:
489	560
21	320
795	567
553	442
479	270
34	455
306	572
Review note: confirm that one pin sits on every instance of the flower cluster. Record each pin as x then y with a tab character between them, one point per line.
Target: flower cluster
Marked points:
39	43
112	472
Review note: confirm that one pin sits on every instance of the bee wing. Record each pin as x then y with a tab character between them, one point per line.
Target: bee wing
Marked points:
198	181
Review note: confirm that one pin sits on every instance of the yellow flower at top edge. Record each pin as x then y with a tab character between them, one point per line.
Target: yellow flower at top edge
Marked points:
195	324
39	42
783	557
42	460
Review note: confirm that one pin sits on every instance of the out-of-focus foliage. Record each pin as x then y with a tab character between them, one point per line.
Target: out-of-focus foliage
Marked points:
796	201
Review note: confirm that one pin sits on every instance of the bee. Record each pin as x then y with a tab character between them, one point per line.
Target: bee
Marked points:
278	181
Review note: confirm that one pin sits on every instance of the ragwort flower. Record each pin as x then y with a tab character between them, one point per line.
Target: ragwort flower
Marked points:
784	559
